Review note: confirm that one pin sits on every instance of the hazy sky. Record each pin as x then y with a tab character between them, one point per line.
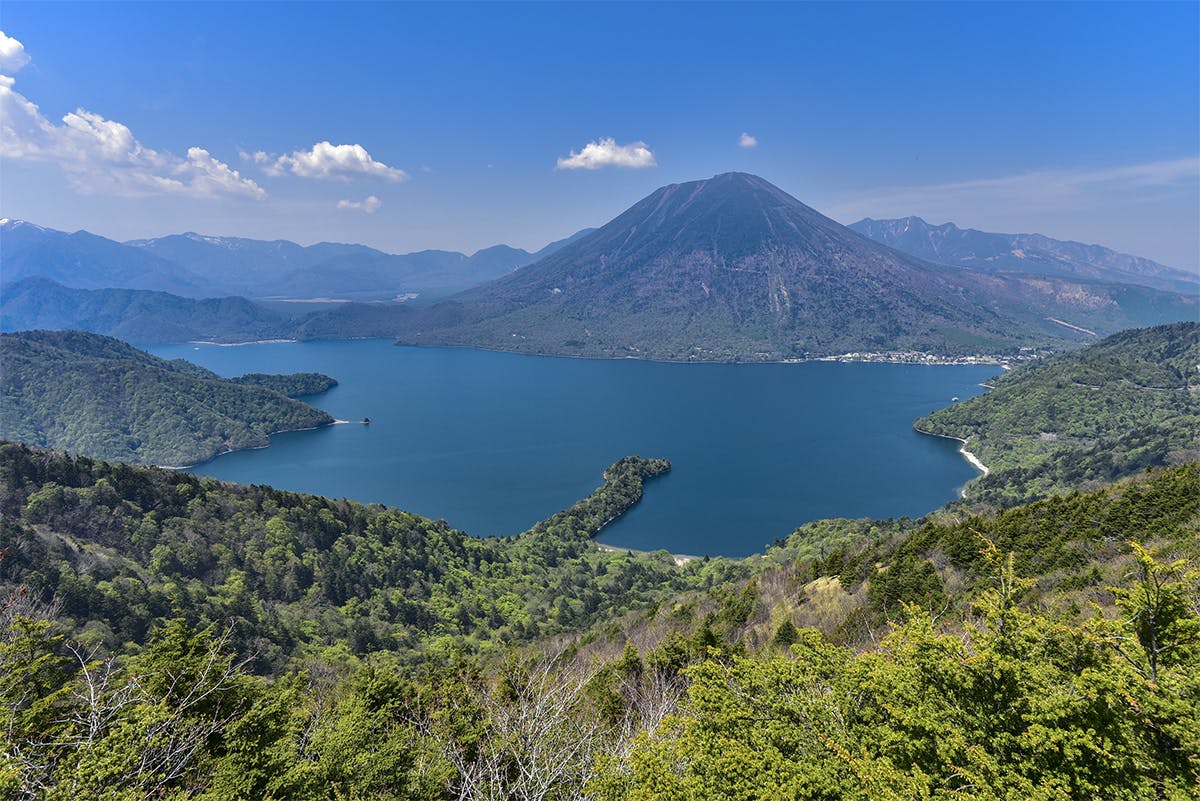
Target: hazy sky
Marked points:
460	126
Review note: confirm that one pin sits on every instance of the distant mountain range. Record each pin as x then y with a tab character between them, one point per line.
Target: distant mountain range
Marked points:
730	268
192	265
1022	253
137	315
142	316
733	268
101	397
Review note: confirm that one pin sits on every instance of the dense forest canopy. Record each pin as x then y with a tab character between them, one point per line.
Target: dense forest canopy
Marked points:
913	661
1125	403
98	396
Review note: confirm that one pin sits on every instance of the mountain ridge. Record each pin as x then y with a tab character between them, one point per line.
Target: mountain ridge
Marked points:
1032	253
197	265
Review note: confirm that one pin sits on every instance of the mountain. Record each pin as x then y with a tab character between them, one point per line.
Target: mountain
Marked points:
141	316
136	315
1022	253
286	270
1103	412
558	244
194	265
100	397
87	261
733	268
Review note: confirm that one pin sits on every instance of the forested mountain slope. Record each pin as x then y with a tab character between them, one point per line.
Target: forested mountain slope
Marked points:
97	395
137	315
121	547
989	667
1092	415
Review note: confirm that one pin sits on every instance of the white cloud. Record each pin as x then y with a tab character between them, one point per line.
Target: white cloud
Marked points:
12	54
332	162
369	205
607	153
211	178
102	156
747	141
1037	190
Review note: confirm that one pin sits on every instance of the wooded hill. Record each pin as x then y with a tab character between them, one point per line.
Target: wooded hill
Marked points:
911	662
1082	417
96	395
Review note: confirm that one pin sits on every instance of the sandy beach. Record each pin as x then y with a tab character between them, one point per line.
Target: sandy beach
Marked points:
679	559
970	457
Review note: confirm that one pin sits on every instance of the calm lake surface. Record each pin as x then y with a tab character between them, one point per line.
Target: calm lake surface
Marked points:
493	442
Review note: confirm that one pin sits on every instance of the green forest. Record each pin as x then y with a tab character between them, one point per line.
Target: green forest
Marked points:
1083	417
96	395
169	636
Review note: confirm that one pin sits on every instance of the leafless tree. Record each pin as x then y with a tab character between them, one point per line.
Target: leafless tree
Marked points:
539	741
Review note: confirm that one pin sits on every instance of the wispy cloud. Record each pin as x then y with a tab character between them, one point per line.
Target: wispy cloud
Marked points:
368	205
747	141
102	156
330	162
1034	190
607	153
12	54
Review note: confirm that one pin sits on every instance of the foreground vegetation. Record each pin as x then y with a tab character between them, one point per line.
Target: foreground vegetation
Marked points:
96	395
121	547
1109	410
990	675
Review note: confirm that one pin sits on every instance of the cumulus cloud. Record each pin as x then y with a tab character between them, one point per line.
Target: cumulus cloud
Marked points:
209	177
12	54
369	205
102	156
327	161
747	141
607	153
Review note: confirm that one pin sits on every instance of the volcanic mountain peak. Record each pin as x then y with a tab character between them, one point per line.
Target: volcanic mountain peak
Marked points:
726	219
732	267
717	202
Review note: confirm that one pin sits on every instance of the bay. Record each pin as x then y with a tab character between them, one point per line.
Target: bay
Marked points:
493	442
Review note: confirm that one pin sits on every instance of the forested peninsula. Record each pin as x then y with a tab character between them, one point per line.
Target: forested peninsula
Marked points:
98	396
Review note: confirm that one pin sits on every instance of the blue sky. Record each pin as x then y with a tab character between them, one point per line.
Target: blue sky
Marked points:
470	125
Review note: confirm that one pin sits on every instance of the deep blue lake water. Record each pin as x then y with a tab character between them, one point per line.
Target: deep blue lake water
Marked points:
493	442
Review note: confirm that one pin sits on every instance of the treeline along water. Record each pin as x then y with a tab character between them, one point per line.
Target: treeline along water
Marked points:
493	442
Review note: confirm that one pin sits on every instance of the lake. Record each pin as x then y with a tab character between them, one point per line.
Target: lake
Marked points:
493	442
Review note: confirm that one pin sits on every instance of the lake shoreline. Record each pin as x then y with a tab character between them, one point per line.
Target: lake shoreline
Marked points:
863	357
270	434
680	559
915	358
971	458
239	344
